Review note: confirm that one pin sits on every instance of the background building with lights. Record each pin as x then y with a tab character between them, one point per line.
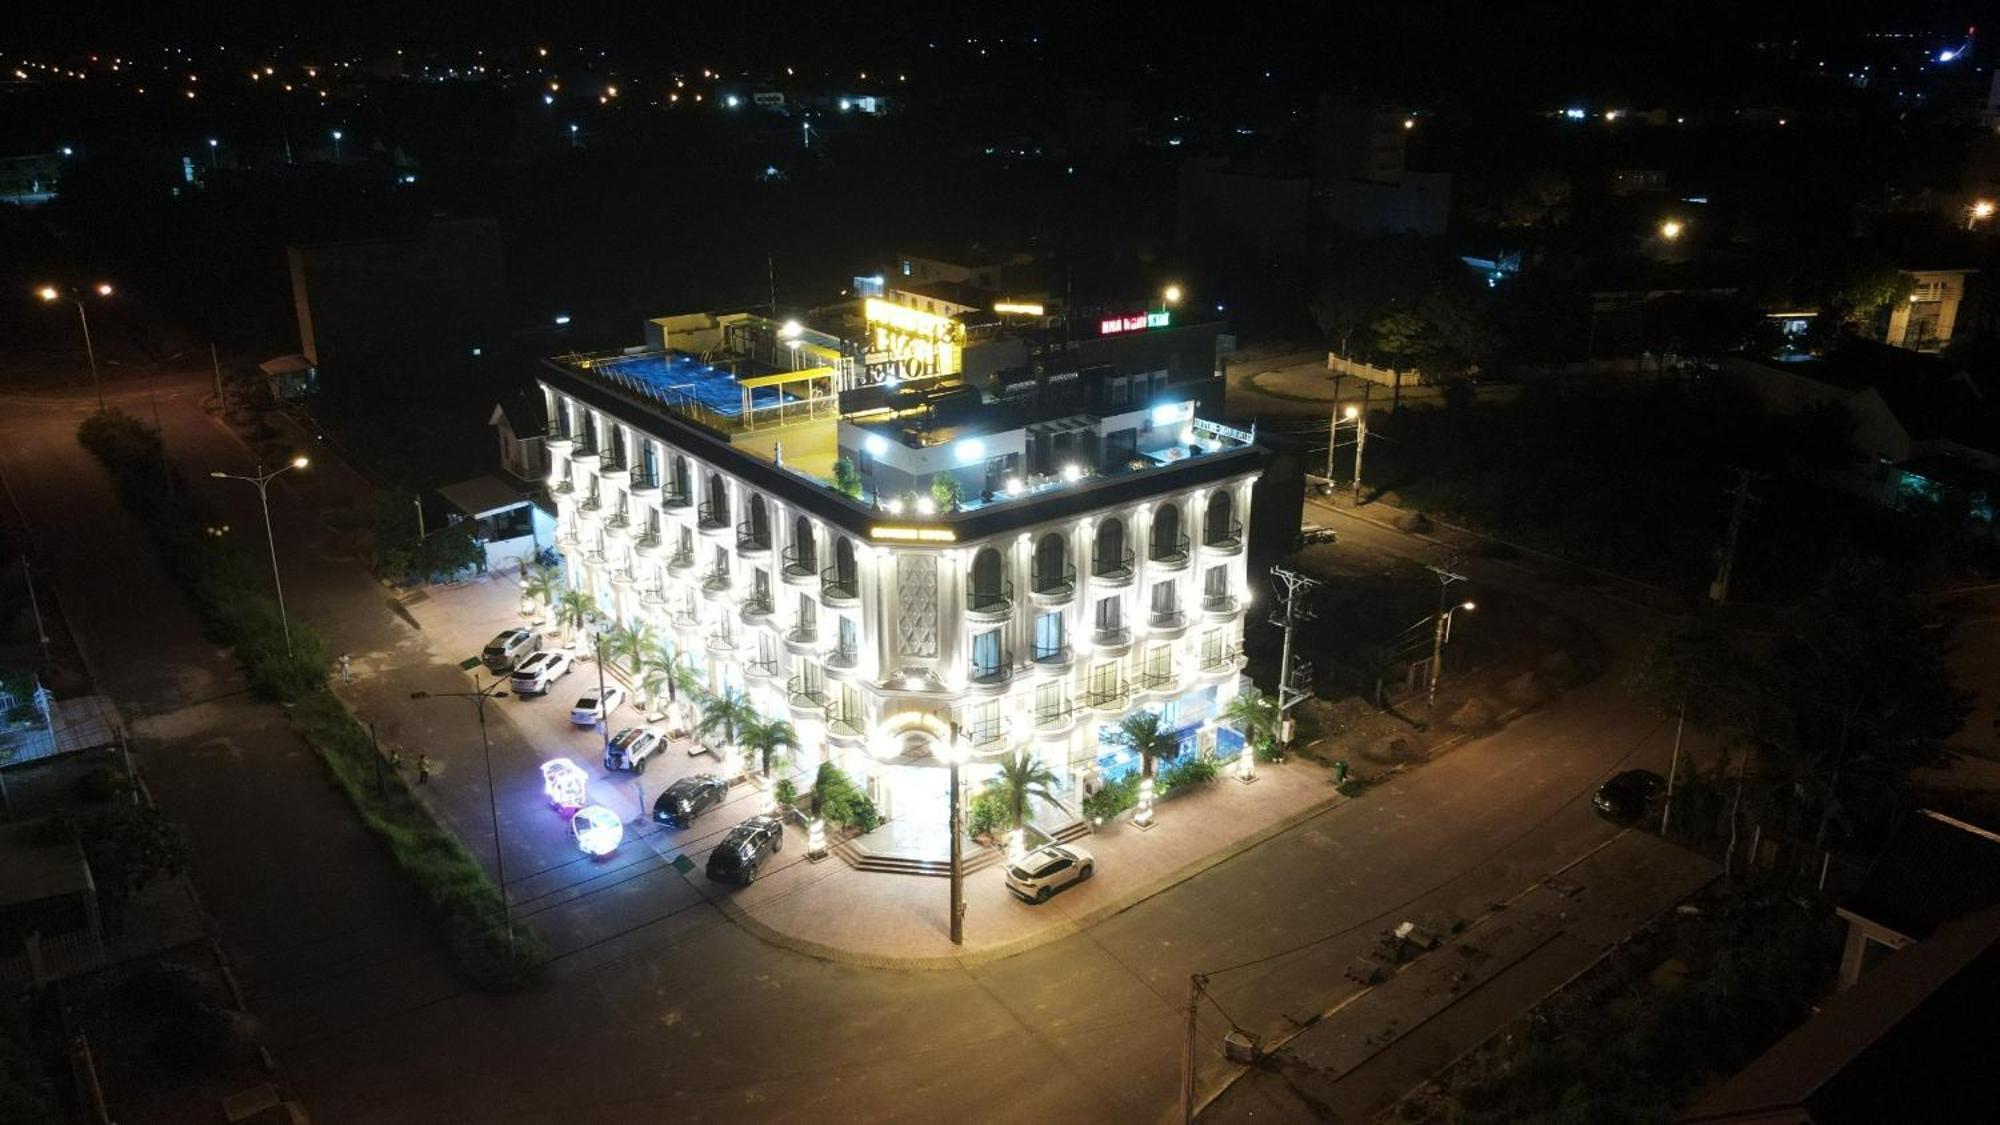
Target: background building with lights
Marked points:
882	555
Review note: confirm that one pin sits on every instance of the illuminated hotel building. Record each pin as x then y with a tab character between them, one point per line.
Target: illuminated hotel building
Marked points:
1031	551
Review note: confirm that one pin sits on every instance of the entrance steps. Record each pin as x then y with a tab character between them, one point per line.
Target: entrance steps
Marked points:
857	854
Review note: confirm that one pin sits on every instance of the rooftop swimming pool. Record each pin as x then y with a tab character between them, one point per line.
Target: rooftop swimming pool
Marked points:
679	378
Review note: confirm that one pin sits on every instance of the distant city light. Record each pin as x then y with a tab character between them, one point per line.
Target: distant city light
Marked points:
1575	114
731	101
562	318
1670	229
1409	122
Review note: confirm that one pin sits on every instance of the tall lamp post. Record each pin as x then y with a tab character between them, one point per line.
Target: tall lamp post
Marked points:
263	482
955	753
337	134
479	697
103	289
1440	632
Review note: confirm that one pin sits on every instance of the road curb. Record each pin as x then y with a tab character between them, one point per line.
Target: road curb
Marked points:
770	934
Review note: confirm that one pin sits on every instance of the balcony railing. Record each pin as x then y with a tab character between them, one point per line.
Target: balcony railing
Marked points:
1219	603
1173	550
761	666
1157	678
757	604
842	724
1051	654
750	537
800	561
556	431
674	494
611	460
998	600
1223	536
645	477
997	671
835	585
847	657
682	558
1166	618
1054	714
1116	567
982	733
1055	582
803	695
1110	636
1106	696
1218	658
711	516
715	578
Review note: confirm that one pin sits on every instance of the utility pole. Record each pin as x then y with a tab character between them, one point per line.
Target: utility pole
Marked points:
1289	696
1718	591
771	277
1196	981
1442	622
1332	439
41	631
953	753
1673	771
221	402
1360	443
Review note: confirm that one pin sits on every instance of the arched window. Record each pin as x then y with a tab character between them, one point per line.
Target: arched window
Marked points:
1168	542
989	582
845	580
1109	558
1220	527
715	510
759	525
681	476
802	556
1053	574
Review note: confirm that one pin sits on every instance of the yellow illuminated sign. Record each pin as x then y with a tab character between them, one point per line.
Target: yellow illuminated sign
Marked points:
1024	308
913	322
927	344
914	534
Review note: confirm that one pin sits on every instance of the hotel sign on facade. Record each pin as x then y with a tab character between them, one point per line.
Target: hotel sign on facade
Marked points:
1136	322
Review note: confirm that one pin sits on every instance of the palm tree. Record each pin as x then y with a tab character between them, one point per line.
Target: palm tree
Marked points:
728	710
1256	716
1141	731
573	609
762	741
1021	777
539	583
673	670
631	642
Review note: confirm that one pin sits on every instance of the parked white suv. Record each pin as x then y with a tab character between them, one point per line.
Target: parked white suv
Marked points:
534	675
631	747
593	707
1046	870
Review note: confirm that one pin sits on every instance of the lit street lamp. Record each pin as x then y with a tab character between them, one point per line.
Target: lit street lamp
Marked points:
479	696
263	481
212	144
337	134
1980	211
102	289
1171	295
1440	633
1671	229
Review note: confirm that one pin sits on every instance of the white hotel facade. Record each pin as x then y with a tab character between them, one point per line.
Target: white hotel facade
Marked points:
1057	600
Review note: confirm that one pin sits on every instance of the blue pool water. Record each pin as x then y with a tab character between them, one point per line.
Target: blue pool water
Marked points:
683	376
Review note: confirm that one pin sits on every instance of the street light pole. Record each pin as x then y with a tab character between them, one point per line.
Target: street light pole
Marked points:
1439	629
263	482
953	754
102	289
479	698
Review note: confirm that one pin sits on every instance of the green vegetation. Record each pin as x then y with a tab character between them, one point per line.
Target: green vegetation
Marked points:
128	847
402	553
987	815
838	801
1188	773
728	711
1114	798
765	743
1255	715
463	902
1022	777
946	492
786	792
1837	700
847	478
1143	732
219	567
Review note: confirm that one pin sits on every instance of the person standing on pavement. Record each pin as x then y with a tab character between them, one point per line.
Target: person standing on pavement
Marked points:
346	662
423	769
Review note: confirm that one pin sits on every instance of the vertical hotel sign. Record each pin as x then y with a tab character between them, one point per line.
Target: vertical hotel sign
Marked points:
1136	322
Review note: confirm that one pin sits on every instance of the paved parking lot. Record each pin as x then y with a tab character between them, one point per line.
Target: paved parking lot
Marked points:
825	907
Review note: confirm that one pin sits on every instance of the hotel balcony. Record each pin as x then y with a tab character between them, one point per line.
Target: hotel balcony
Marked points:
1054	586
1159	683
645	482
806	702
584	454
1113	700
1114	572
1223	540
611	465
752	540
1166	625
1221	607
1111	642
681	563
1055	721
1222	664
618	527
1169	554
803	640
674	496
649	545
991	605
1055	660
756	608
842	663
800	566
715	583
557	439
722	644
991	678
591	511
760	668
711	519
836	589
848	731
685	618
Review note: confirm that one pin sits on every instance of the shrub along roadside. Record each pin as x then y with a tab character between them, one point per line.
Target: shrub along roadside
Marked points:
221	574
463	901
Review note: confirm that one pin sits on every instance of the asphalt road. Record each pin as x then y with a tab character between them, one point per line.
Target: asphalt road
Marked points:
659	1004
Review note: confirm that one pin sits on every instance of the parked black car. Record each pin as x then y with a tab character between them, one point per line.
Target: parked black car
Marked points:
1628	795
688	798
739	855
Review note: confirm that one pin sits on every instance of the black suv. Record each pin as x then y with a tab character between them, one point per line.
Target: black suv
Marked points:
688	798
1628	795
739	855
